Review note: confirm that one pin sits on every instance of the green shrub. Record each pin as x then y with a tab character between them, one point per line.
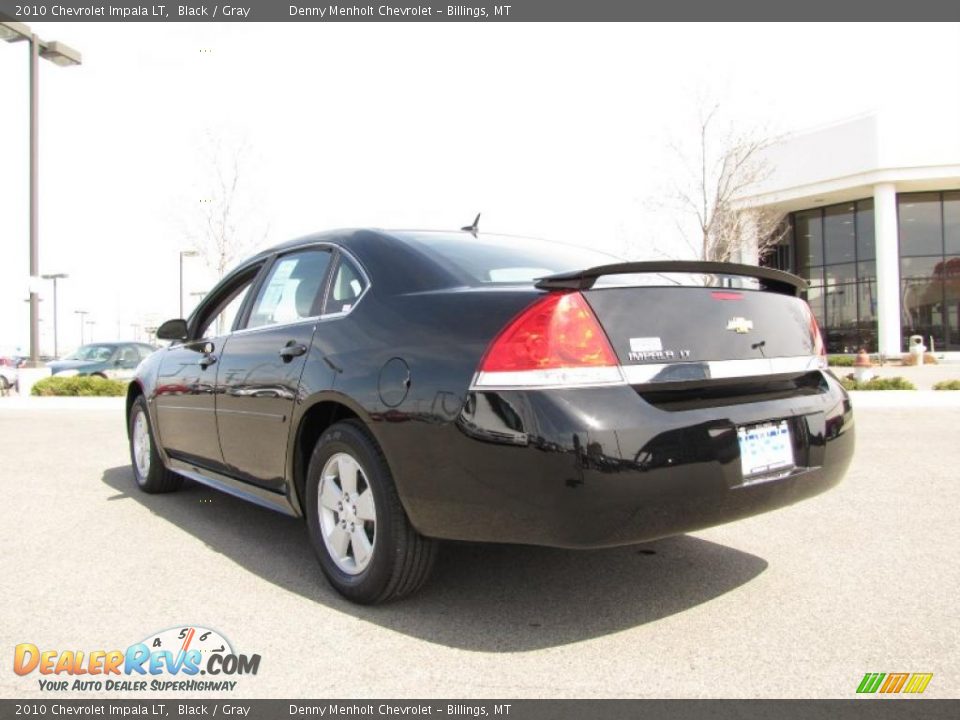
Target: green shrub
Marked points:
840	360
947	385
878	383
86	386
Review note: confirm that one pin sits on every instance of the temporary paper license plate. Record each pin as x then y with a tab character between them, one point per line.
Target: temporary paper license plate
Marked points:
765	448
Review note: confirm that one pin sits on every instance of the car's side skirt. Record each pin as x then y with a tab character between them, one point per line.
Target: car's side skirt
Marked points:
232	486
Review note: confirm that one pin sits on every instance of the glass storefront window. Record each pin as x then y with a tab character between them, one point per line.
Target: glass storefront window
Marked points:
920	268
951	222
841	319
839	274
834	248
921	232
814	298
839	238
951	298
866	243
921	303
867	301
808	231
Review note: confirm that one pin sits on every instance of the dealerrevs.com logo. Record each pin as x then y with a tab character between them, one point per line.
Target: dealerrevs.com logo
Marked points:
179	659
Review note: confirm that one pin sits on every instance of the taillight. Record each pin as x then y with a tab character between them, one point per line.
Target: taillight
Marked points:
818	347
555	341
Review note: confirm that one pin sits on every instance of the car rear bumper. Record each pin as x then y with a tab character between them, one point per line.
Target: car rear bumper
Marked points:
597	467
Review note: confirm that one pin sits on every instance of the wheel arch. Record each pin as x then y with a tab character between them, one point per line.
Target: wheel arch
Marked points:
323	412
134	390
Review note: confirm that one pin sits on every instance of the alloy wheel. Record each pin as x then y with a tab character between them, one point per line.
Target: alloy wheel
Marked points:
141	444
348	514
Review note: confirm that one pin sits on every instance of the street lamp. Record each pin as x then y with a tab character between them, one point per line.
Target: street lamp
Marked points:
90	324
55	277
58	54
183	254
83	314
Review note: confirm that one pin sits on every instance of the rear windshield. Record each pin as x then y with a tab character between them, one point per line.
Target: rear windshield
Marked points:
688	279
505	260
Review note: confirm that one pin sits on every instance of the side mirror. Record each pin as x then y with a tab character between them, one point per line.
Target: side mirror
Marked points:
173	330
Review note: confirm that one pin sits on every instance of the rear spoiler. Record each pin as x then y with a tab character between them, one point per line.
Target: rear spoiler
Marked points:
774	280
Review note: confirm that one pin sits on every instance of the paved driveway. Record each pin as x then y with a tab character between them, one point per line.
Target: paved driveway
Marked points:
800	602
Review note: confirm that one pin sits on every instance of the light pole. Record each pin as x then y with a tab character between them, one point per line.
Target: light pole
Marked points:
83	314
55	277
90	324
62	55
183	254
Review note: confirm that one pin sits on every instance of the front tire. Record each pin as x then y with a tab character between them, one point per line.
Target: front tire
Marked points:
149	472
366	546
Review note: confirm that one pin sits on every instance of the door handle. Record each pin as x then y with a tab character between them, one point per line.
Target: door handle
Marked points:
206	361
291	350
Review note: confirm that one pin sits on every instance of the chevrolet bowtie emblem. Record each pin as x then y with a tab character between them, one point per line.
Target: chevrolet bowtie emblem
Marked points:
740	325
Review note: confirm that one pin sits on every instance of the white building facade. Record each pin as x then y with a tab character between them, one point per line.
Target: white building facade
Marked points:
873	207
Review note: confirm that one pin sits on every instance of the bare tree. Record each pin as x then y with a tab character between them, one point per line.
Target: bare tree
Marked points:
226	229
226	224
721	168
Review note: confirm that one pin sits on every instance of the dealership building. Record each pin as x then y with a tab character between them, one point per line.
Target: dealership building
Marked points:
873	211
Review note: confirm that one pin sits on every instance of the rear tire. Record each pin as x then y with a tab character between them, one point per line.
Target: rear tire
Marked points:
149	472
366	546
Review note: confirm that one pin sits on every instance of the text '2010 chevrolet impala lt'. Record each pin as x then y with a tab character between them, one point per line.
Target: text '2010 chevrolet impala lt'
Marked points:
396	389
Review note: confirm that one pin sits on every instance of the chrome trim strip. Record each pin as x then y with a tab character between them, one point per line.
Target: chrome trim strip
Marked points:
553	378
184	407
645	374
263	328
272	416
720	369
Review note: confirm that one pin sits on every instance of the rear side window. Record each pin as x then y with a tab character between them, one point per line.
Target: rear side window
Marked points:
129	355
347	287
290	291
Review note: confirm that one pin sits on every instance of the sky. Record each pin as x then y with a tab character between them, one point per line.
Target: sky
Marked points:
560	131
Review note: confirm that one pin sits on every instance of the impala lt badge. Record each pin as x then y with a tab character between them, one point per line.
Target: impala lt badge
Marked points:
741	326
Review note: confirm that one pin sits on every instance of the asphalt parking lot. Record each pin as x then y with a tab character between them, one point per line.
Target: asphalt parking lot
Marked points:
796	603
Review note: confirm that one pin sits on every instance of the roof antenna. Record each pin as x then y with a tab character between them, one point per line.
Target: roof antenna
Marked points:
475	228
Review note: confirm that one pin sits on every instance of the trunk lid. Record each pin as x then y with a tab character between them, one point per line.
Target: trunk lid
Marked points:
699	321
697	324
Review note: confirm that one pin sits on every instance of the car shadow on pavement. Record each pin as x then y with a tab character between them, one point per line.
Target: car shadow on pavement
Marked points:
485	598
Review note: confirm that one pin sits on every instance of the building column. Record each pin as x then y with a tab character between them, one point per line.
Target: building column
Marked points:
888	268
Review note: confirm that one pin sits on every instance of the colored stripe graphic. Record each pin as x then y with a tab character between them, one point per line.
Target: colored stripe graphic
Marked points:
918	682
894	683
870	682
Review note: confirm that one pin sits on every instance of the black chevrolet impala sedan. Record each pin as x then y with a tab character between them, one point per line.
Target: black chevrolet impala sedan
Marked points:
400	388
